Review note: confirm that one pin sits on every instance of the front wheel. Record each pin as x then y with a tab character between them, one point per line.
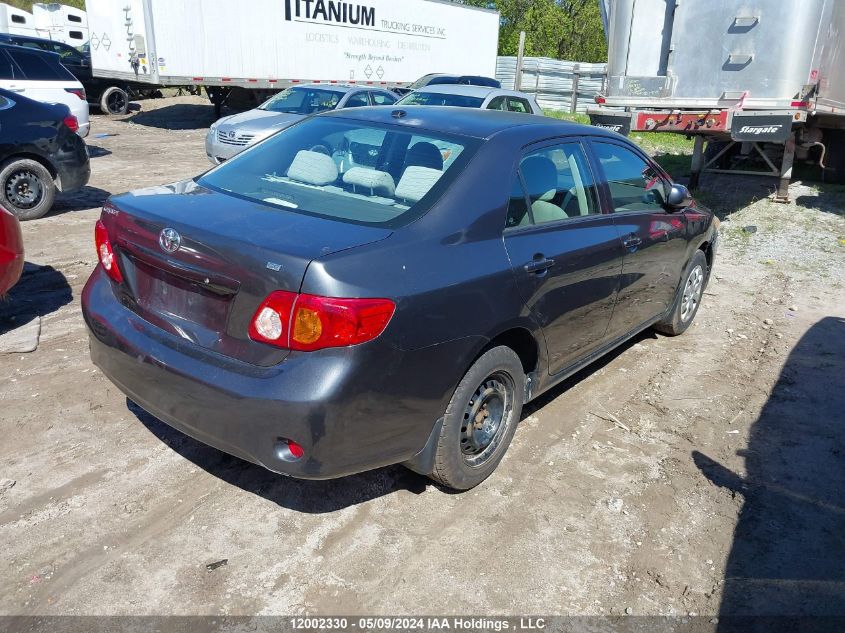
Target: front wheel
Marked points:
28	188
688	300
480	420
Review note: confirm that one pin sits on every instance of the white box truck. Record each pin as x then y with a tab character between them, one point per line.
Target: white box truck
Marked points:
266	45
16	21
61	23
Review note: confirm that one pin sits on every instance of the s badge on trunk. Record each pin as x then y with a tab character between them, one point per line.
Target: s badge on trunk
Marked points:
169	240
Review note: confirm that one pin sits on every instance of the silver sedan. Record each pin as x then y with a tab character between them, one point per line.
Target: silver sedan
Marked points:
465	96
233	134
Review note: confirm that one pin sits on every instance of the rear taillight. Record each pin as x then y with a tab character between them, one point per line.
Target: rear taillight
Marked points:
307	322
79	92
105	252
71	122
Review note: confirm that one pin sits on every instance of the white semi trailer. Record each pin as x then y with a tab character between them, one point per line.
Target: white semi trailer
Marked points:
761	78
262	46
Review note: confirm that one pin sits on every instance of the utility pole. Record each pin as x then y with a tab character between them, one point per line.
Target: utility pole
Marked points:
517	80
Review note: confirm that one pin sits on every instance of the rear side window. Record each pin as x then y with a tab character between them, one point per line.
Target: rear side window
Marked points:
74	18
40	68
559	185
382	98
499	103
634	184
18	19
357	100
75	35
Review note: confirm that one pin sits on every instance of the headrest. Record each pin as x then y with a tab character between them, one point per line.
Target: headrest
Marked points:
416	182
313	168
540	176
377	182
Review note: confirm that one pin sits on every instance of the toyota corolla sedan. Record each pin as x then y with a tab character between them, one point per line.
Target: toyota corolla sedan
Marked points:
380	286
232	134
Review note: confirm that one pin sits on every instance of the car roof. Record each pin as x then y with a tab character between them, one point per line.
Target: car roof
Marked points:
482	124
468	90
339	87
34	51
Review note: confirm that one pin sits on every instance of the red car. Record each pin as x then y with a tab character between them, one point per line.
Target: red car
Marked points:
11	251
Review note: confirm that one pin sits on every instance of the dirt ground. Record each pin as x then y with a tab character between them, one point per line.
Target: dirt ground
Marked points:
700	474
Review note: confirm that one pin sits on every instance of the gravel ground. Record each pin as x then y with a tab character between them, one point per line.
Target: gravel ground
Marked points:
699	474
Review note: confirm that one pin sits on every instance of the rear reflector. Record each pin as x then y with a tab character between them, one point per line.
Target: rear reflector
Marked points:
600	100
72	122
307	322
105	253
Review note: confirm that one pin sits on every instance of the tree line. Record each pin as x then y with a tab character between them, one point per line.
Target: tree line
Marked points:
561	29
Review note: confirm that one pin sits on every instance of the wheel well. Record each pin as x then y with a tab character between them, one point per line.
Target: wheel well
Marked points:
38	159
520	341
708	254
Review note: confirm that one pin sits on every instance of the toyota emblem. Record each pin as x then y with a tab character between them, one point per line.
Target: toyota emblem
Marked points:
232	134
169	240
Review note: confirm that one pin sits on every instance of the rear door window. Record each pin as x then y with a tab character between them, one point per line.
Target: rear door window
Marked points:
357	100
519	105
382	98
559	186
499	103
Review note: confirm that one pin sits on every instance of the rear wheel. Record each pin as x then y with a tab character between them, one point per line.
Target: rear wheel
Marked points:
27	188
114	101
688	300
480	420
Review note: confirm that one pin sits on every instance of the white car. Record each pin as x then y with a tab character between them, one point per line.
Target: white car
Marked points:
40	75
464	96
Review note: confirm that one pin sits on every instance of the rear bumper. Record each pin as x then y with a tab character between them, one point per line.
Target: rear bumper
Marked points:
73	166
352	409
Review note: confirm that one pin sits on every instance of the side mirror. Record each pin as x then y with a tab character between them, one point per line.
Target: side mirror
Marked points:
679	197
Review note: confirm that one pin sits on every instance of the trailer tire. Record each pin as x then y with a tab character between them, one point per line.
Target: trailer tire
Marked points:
114	101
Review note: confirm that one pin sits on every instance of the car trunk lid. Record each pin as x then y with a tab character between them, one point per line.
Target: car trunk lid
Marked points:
198	263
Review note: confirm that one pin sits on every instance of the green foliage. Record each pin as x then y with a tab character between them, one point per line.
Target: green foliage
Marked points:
561	29
26	5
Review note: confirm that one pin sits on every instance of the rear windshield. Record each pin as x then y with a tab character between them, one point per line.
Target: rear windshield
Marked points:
303	101
346	170
437	99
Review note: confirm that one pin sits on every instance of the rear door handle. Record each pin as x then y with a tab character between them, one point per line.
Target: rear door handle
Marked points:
632	241
539	264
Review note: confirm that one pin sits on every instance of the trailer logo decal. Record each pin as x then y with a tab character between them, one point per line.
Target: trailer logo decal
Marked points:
612	128
330	11
760	129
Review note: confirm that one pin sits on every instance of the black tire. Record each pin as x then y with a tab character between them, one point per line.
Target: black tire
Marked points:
469	448
114	101
688	298
27	188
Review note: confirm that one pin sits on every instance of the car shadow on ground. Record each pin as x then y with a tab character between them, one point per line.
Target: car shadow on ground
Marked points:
317	497
81	200
181	116
311	497
788	552
40	291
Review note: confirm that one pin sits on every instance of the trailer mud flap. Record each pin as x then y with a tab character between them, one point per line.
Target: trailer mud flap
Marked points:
774	128
619	123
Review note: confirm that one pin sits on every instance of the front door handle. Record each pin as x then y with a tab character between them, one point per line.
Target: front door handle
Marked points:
539	264
632	241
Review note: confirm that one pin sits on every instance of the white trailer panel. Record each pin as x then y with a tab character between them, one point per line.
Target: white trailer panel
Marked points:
60	22
271	43
16	21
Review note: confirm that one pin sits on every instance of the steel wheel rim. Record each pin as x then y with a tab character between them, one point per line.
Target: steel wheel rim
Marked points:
692	293
116	103
24	189
486	419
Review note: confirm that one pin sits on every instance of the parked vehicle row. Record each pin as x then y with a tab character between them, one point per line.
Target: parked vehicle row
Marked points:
41	153
398	284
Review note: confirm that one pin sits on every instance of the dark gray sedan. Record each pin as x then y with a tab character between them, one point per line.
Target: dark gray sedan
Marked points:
379	286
